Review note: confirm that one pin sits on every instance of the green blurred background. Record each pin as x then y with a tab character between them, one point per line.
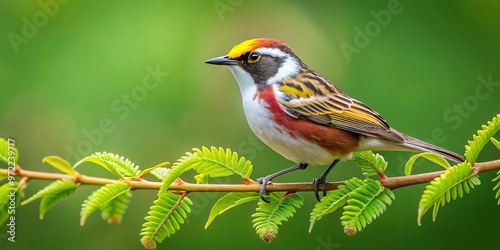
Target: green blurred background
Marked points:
65	69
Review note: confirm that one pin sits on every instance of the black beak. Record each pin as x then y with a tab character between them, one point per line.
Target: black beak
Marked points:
222	60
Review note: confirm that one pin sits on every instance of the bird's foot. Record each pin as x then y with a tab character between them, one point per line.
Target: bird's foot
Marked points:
317	182
264	181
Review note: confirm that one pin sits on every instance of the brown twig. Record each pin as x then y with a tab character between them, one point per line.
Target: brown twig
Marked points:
390	182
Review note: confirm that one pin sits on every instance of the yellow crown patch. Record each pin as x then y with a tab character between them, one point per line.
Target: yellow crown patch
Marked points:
243	48
253	44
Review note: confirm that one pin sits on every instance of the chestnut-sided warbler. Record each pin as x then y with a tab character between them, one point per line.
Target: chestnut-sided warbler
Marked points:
303	116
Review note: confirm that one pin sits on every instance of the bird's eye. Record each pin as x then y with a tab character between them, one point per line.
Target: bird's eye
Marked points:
253	57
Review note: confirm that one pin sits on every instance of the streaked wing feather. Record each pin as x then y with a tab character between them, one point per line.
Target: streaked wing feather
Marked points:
340	111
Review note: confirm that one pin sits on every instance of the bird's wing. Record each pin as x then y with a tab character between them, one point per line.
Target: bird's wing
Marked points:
336	109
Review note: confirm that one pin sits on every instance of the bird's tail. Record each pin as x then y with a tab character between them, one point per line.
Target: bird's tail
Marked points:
419	145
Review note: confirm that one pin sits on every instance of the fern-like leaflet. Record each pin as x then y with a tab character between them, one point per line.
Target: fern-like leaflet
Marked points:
164	218
334	200
215	162
114	210
449	186
52	194
364	205
475	146
229	201
269	216
219	162
371	164
115	164
100	197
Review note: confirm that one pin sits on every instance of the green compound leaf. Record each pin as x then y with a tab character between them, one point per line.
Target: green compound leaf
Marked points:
371	164
364	205
219	162
229	201
52	189
475	146
426	155
449	186
115	164
215	162
8	150
60	164
52	194
269	216
100	197
164	218
334	200
51	200
114	210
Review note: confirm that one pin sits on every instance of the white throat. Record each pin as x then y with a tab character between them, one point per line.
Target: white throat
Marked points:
244	79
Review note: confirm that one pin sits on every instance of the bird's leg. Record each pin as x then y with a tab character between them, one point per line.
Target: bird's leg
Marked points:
322	180
264	180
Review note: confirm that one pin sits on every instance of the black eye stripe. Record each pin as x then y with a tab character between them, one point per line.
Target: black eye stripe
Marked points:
262	70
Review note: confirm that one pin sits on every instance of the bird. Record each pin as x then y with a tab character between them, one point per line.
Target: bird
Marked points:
305	117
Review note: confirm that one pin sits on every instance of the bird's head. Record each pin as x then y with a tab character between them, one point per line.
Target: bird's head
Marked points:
260	61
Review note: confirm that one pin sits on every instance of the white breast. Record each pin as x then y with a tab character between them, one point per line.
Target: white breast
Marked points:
276	137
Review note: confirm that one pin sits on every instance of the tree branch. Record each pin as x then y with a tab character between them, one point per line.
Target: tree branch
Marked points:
390	182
